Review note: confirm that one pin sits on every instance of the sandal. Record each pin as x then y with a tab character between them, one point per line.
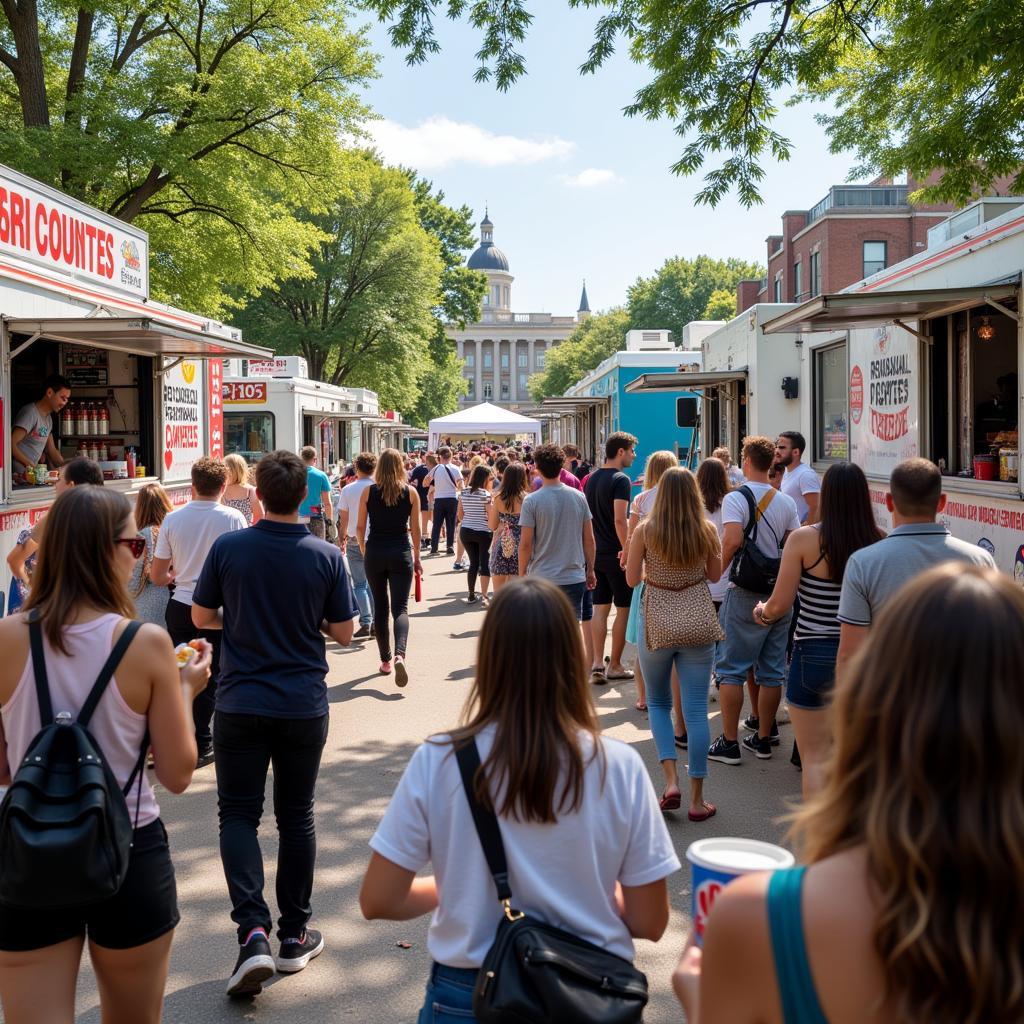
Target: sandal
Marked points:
640	705
709	812
597	676
626	673
671	801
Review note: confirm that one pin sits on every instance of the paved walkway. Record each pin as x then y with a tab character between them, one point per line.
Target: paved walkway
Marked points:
364	976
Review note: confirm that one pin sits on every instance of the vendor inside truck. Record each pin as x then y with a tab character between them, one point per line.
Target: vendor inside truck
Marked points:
32	432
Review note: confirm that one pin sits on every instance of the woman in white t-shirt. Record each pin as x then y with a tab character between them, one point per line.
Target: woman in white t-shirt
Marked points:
587	848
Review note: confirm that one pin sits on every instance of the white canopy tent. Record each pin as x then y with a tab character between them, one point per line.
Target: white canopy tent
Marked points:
481	422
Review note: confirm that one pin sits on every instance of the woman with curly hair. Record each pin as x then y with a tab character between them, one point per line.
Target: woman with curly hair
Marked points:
909	905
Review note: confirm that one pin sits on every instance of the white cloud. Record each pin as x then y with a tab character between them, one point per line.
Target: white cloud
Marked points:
440	142
592	177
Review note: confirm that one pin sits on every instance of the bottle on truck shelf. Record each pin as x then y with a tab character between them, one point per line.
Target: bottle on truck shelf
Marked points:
81	420
94	419
67	421
104	419
129	455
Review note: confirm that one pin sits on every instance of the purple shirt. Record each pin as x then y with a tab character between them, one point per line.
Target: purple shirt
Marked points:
565	476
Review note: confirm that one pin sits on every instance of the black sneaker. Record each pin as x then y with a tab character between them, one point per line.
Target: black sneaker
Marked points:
255	964
752	722
373	631
773	736
794	758
757	746
362	633
449	551
683	742
296	953
205	758
725	751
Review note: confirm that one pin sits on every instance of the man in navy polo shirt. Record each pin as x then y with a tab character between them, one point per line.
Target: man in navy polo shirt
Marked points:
280	589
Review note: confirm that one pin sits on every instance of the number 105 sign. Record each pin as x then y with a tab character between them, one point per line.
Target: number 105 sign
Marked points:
242	392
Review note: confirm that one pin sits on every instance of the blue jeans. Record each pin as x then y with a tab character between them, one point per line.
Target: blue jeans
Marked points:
748	645
357	573
693	665
812	673
449	996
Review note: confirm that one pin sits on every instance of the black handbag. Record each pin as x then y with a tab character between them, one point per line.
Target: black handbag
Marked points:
65	830
535	973
751	568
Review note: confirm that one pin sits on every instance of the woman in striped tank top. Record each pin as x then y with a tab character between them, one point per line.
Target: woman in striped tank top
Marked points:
475	531
813	562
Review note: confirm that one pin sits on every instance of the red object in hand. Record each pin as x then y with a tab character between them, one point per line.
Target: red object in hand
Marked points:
419	586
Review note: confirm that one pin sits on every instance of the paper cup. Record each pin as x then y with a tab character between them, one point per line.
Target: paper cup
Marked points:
714	863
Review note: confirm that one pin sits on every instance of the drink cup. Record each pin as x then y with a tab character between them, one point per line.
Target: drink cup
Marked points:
715	862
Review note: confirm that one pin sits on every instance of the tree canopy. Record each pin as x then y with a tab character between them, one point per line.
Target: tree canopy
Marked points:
210	123
917	85
680	290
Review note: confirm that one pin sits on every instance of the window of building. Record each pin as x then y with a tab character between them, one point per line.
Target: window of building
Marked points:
540	358
470	360
815	274
488	392
874	257
523	359
522	383
471	388
488	360
832	440
504	392
777	292
504	360
487	299
798	286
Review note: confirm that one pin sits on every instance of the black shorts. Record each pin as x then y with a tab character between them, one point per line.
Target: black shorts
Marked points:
612	587
144	908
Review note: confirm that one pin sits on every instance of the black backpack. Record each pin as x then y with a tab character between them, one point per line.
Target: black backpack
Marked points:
65	829
751	568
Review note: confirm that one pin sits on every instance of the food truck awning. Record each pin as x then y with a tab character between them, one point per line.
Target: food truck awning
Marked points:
141	336
326	414
847	311
648	383
565	405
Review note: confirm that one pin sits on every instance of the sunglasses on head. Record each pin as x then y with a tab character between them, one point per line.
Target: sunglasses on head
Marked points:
136	545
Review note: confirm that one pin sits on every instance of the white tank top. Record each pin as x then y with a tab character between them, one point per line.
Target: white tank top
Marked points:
115	726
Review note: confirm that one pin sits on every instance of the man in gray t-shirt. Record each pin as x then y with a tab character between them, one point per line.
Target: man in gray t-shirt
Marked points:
557	540
916	544
32	430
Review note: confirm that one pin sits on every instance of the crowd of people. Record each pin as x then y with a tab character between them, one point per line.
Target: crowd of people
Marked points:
759	580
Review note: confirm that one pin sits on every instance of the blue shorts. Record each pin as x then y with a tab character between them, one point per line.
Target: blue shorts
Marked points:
576	593
812	673
749	645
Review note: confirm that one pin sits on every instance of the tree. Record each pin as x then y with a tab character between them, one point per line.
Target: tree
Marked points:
366	314
920	85
593	341
440	381
721	305
210	123
681	289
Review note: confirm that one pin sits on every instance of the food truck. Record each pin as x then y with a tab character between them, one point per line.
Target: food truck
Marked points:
925	358
145	378
272	403
598	404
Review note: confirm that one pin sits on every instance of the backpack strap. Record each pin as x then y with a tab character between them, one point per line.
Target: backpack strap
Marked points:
486	821
750	531
35	636
107	672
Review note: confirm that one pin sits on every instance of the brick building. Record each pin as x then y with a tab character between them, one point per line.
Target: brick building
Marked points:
854	232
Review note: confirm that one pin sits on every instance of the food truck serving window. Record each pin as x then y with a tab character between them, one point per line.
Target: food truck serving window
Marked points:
973	393
250	434
831	410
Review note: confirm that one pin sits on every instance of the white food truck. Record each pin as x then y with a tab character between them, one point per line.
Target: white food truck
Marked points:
272	403
146	379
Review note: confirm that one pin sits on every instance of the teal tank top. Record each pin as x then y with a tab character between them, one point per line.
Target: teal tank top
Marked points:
792	970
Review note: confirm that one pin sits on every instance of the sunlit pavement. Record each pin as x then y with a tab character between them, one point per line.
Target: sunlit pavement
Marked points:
365	975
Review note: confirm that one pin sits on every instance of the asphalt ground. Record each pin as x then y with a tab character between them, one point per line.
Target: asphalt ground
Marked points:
366	974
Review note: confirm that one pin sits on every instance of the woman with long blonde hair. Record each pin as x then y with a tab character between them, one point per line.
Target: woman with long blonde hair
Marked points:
676	550
910	906
586	846
151	507
392	509
240	493
654	469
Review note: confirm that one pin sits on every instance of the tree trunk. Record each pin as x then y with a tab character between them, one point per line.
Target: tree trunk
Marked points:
30	76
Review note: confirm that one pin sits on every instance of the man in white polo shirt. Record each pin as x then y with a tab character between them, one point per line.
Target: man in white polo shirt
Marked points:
447	481
800	482
185	539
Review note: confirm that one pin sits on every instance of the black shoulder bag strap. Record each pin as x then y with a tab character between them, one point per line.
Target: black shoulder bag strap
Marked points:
750	533
35	636
485	821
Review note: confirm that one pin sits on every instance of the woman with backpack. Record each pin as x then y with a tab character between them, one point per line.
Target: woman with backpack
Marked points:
586	848
80	601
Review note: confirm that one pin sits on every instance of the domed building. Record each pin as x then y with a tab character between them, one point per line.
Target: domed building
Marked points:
501	351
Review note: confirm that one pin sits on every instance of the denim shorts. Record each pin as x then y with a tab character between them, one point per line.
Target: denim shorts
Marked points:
749	645
449	996
812	673
576	593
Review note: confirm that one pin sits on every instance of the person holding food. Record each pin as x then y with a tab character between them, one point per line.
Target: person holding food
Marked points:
32	441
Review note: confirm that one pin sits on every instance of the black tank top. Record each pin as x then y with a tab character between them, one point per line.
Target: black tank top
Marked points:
389	524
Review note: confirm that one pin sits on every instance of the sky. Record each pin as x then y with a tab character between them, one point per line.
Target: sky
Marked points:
576	190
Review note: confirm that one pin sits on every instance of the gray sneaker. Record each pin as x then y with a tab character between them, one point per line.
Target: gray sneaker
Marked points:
296	953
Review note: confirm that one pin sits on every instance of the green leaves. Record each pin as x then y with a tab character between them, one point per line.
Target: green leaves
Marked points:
210	123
